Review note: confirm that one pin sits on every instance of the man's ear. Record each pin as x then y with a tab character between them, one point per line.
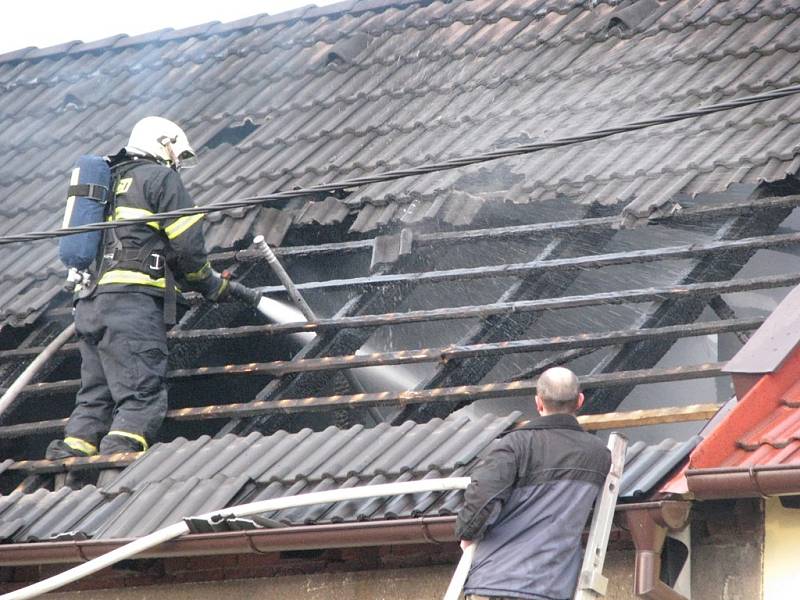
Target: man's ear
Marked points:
580	402
539	404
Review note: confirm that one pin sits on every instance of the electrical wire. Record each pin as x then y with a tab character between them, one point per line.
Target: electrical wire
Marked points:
446	165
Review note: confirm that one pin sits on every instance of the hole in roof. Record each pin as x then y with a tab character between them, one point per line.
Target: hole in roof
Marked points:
233	135
71	102
346	50
629	16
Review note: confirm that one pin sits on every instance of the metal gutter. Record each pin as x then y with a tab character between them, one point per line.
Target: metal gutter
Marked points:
759	481
424	530
648	523
421	530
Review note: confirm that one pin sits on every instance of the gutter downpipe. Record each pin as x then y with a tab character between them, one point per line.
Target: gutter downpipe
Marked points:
179	529
648	524
32	369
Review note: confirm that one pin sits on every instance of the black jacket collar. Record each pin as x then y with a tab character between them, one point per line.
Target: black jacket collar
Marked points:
557	421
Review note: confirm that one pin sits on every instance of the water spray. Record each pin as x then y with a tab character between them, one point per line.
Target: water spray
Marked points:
279	312
266	306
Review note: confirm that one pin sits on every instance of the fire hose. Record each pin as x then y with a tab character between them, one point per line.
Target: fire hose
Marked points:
179	529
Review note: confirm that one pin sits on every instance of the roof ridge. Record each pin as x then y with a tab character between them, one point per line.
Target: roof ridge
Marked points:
307	42
686	58
263	20
309	12
497	83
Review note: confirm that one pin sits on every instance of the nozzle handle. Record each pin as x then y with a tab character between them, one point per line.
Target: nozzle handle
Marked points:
244	294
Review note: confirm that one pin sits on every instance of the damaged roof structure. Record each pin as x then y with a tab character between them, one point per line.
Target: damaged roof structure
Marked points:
642	261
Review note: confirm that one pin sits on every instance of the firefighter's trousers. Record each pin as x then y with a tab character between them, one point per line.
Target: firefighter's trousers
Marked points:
123	346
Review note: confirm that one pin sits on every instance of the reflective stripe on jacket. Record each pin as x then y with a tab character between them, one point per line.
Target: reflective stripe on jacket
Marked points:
143	188
528	503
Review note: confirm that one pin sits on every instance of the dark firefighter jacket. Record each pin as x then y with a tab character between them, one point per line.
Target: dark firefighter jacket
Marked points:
134	257
528	503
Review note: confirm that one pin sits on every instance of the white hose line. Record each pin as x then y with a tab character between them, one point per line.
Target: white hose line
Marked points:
25	377
178	529
461	572
101	562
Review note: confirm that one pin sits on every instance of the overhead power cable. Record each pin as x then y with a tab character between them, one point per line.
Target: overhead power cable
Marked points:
446	165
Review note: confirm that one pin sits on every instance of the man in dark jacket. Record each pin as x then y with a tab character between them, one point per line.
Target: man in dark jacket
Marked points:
530	498
120	315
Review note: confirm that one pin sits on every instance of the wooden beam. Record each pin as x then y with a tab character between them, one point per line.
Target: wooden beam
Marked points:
462	312
691	214
466	393
649	416
632	296
595	261
437	355
104	461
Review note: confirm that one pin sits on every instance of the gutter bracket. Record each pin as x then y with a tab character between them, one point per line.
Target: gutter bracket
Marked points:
648	527
426	532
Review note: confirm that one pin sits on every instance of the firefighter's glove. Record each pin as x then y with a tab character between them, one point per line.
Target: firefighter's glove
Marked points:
213	287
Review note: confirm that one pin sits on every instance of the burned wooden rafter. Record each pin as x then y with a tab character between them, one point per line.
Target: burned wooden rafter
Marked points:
724	311
502	308
460	352
631	296
692	214
615	420
708	267
334	341
467	393
33	344
494	329
442	355
685	251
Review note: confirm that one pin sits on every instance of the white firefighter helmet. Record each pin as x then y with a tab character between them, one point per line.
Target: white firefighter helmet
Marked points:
161	139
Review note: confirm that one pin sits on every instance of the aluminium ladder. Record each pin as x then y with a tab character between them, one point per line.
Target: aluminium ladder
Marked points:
592	583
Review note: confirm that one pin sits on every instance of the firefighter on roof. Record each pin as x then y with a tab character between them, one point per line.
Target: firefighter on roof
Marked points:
120	315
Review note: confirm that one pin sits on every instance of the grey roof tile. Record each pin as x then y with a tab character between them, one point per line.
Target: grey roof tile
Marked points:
160	504
646	466
61	516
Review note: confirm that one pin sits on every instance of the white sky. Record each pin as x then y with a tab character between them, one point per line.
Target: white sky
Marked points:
45	23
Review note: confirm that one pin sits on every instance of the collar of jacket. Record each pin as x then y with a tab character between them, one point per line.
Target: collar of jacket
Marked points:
557	421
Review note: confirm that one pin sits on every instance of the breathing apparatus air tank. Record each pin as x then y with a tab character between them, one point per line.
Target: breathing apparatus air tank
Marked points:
88	194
